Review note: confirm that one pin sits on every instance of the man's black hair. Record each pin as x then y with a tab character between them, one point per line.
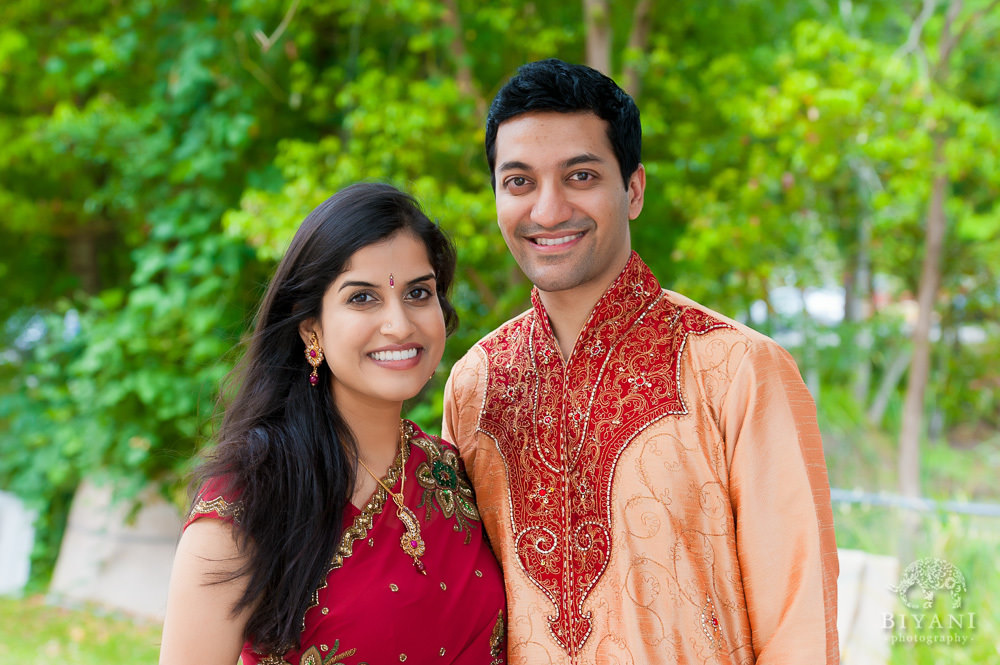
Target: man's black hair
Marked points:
554	85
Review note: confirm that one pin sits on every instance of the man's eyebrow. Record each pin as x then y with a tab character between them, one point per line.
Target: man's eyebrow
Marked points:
585	158
513	166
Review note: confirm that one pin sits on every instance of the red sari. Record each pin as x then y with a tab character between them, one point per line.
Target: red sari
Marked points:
374	606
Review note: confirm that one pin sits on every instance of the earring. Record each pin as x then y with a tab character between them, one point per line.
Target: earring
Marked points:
314	356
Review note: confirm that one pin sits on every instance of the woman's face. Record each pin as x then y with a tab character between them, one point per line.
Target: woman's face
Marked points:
381	328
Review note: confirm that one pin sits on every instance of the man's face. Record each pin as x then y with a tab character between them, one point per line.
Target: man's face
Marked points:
561	205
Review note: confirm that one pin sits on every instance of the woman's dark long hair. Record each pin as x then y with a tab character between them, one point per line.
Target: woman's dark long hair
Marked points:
283	447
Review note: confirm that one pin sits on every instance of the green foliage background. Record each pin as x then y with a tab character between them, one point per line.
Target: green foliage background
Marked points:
156	157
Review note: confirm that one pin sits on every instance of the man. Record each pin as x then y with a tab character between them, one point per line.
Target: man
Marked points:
650	472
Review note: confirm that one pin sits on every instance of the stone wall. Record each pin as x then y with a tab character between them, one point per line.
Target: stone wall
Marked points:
115	562
17	537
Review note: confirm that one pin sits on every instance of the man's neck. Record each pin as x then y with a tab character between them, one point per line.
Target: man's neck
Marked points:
568	312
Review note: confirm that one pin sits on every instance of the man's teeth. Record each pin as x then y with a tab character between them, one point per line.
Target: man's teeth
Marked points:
557	241
394	355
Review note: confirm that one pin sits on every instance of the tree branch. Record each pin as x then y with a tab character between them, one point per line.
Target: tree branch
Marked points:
951	39
267	42
948	37
255	69
913	41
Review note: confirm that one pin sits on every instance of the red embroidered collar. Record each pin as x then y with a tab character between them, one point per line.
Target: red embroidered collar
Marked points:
632	292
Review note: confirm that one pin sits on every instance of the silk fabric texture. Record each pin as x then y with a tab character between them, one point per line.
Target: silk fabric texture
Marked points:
660	497
374	607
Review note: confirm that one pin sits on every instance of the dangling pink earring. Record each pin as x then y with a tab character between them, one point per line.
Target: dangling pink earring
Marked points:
314	356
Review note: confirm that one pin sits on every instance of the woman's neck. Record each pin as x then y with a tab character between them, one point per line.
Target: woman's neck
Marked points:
377	433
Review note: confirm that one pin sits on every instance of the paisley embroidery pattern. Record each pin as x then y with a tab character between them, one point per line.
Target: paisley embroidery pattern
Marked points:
312	655
710	624
497	639
446	487
562	439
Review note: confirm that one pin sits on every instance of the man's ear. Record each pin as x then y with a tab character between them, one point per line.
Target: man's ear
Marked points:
306	330
636	191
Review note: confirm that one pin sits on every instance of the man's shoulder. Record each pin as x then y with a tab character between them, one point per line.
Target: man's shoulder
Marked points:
498	337
736	331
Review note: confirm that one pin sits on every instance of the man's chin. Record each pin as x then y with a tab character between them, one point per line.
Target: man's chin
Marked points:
555	282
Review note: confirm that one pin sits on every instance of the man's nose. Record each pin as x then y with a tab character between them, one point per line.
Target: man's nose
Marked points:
551	207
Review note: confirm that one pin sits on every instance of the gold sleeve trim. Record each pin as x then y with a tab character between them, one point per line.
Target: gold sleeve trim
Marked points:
222	508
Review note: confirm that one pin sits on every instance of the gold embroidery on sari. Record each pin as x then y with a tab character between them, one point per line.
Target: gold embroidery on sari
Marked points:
362	523
312	655
219	506
272	660
497	639
446	487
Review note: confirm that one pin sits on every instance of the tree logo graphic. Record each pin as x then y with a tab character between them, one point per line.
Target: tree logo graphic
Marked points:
924	578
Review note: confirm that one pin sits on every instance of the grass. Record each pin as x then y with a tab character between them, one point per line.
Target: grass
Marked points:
35	633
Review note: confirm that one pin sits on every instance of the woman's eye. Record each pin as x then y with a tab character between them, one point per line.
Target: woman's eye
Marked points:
361	298
516	182
420	293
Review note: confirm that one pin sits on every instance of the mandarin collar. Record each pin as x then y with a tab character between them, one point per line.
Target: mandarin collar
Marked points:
629	296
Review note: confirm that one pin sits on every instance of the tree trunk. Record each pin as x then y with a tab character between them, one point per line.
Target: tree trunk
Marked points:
82	251
893	373
597	19
463	73
637	41
860	298
930	278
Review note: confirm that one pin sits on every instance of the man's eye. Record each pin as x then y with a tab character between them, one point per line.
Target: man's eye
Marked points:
582	176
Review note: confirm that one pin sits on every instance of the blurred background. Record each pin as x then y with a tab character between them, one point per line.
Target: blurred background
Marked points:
827	171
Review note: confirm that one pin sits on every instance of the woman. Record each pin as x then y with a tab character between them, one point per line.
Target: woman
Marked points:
326	529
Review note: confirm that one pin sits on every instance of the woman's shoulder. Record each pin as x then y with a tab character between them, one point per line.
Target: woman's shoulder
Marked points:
431	444
442	463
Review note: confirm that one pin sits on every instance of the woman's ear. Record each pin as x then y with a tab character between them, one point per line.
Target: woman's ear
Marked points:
307	329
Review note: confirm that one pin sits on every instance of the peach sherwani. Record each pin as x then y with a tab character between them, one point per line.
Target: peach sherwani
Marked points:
660	497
